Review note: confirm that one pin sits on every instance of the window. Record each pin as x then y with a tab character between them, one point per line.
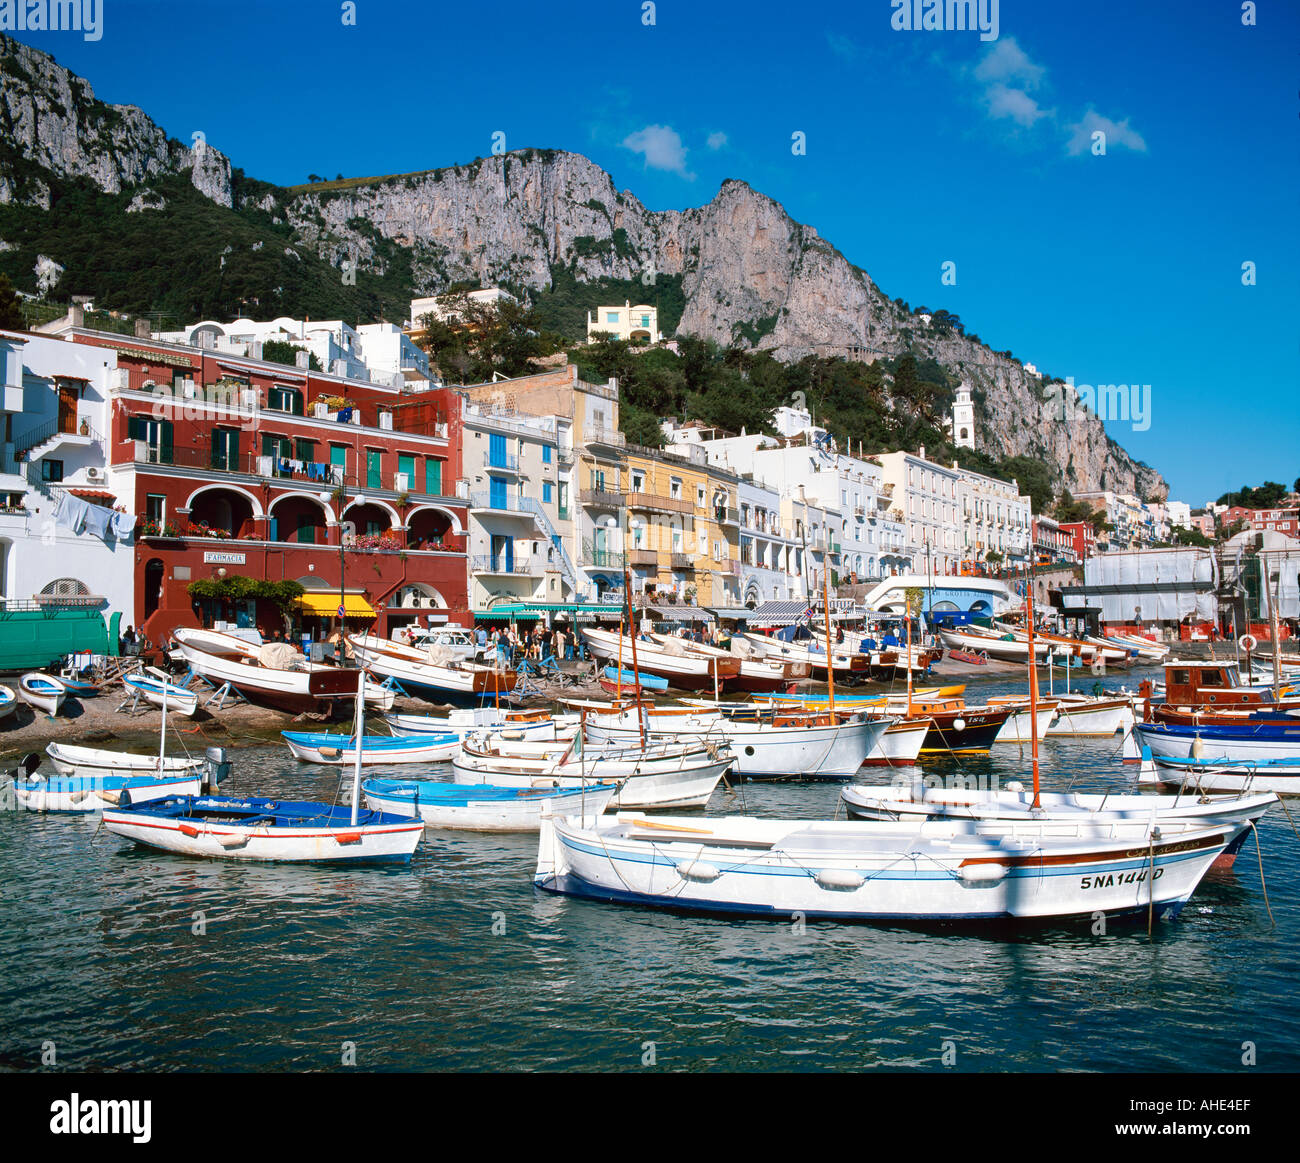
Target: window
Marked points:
155	508
611	316
156	434
546	492
546	454
406	465
638	482
280	399
699	496
225	449
433	476
675	487
51	470
374	468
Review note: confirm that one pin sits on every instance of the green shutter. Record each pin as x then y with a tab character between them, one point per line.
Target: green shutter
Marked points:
339	455
433	477
374	468
165	442
406	464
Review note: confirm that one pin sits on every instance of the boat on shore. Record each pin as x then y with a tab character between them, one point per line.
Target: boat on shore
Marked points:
42	692
152	685
435	674
668	658
8	701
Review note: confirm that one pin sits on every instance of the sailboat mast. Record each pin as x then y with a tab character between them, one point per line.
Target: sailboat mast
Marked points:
358	727
1272	633
1033	684
830	661
162	735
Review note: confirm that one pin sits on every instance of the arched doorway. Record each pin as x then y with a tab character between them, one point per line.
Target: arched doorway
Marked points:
222	510
153	583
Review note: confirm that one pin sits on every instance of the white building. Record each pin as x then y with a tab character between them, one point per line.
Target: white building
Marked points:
963	418
59	535
996	518
1179	513
626	322
440	306
927	499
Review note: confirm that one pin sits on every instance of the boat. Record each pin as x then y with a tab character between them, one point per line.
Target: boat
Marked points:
483	807
922	802
90	761
309	747
621	683
1017	728
467	721
1086	716
669	659
94	793
768	743
79	689
754	673
900	745
259	829
1252	742
1226	775
271	674
857	871
8	701
847	665
42	692
434	674
151	685
656	775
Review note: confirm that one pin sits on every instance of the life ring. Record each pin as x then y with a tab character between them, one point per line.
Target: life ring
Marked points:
1248	642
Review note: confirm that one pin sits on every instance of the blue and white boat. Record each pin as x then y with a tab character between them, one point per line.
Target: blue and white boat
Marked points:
153	687
79	689
465	722
43	692
266	830
272	830
1227	775
484	807
8	701
328	748
94	793
632	678
1249	741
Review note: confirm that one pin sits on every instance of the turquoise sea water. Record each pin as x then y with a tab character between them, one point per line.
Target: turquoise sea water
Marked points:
128	960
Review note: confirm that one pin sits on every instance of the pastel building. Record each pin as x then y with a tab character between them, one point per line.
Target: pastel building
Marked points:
635	324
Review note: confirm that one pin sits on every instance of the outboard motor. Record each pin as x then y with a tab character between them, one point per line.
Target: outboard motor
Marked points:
217	768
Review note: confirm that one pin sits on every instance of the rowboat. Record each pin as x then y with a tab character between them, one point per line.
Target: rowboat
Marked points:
92	761
767	744
669	659
308	747
858	871
467	721
754	673
1255	742
272	830
1082	715
79	689
900	745
270	674
625	683
94	793
661	776
8	701
43	692
434	674
1226	775
1018	728
482	807
151	686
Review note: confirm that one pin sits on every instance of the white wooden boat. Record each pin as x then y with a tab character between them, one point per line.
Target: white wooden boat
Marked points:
151	686
319	747
767	743
1018	728
434	675
92	761
901	743
482	807
257	829
944	871
271	674
1212	743
1083	715
661	776
754	673
849	665
668	658
43	692
1224	775
94	793
467	721
8	701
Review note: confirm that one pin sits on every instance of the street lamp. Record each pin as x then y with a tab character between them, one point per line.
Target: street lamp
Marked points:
342	493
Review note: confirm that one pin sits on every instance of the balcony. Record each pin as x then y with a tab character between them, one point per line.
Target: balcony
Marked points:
564	456
608	436
726	516
483	501
683	561
606	559
644	557
601	498
649	502
502	461
520	566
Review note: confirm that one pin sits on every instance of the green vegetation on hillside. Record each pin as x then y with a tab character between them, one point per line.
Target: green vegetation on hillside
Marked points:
563	307
1267	496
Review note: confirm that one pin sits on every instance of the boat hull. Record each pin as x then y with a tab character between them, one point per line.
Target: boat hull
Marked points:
484	808
83	793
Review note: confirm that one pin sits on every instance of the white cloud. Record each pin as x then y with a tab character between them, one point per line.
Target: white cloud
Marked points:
1016	104
842	46
662	148
1118	133
716	140
1007	61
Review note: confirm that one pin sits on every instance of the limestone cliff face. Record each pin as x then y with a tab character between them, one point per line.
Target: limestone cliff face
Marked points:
55	120
750	273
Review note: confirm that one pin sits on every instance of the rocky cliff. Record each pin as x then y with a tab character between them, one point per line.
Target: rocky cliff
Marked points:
750	274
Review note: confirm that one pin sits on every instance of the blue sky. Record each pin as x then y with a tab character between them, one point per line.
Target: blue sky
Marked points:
921	148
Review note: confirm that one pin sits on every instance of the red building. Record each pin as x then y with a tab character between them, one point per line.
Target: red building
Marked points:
242	467
1280	520
1083	536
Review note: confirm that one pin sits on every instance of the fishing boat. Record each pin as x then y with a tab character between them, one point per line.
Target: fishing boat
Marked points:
847	665
43	692
151	685
482	807
467	721
259	829
78	688
1084	716
1226	775
1251	742
900	745
435	674
656	775
8	701
669	659
768	743
271	674
753	673
1017	728
309	747
94	793
859	871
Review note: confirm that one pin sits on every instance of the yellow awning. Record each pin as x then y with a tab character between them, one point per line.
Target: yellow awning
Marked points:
327	606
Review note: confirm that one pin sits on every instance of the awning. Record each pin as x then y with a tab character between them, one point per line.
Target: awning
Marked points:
498	616
677	613
327	606
162	357
92	494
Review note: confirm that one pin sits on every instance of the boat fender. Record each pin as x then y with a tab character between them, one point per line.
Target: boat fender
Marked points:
330	752
348	837
697	870
512	734
110	797
188	830
235	840
959	724
1198	748
1015	787
974	875
839	879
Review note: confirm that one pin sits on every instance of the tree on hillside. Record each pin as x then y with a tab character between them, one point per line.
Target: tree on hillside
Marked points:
11	307
1034	478
1070	511
1184	536
472	340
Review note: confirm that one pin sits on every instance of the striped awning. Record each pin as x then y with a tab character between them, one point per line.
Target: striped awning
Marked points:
162	357
678	613
787	613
